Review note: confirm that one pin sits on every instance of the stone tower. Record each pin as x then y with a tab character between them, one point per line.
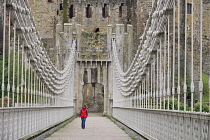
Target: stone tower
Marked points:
94	23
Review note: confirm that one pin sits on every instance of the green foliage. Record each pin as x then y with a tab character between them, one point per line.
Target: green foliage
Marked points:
175	104
205	107
206	97
205	83
8	75
205	87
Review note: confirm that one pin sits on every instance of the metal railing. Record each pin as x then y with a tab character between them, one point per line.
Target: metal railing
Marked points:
34	94
164	124
166	74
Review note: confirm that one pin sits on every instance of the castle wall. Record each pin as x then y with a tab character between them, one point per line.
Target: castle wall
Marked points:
124	43
206	37
98	14
90	14
93	46
98	21
45	15
134	12
1	26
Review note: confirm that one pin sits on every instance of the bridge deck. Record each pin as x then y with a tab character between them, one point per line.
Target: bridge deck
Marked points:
97	128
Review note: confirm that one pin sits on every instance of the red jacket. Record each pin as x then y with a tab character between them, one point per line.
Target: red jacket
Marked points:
83	112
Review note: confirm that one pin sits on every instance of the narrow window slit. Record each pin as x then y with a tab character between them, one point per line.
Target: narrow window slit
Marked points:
121	9
61	6
71	11
105	11
88	11
189	8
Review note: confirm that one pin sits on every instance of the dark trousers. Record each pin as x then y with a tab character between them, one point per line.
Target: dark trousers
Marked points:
83	122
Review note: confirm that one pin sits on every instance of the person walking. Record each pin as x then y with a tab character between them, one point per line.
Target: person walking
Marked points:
83	115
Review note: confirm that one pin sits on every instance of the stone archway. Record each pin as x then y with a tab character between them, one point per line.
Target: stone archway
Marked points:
93	96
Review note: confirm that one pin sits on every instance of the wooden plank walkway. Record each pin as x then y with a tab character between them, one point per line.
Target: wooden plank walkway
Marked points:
97	128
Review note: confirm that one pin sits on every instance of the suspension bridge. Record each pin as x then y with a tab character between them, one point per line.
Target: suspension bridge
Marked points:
163	94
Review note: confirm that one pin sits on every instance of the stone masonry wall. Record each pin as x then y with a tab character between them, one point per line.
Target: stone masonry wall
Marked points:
1	26
206	36
196	39
142	14
196	42
134	12
96	19
45	16
124	43
205	41
93	46
48	14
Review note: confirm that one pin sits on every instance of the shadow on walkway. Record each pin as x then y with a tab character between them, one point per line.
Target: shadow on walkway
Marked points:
95	114
97	128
